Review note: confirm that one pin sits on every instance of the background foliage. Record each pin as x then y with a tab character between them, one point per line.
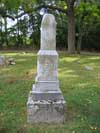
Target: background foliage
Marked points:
26	17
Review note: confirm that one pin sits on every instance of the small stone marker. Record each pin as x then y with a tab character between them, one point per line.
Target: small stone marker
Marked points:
11	61
89	68
45	101
78	62
2	60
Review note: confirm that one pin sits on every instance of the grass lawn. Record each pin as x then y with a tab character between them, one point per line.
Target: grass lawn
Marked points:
80	87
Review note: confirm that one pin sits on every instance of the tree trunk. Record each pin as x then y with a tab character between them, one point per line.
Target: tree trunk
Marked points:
6	31
1	34
18	36
79	43
71	27
80	35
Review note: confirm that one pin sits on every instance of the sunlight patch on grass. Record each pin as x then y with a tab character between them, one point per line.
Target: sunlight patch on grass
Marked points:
94	58
83	85
64	75
67	71
69	59
9	54
21	60
5	69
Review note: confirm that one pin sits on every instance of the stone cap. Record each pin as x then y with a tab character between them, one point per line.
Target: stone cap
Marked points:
48	32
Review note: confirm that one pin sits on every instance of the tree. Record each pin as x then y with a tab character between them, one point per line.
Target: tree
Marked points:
87	14
71	26
81	19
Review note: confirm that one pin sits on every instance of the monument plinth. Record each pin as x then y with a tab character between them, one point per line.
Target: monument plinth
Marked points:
45	101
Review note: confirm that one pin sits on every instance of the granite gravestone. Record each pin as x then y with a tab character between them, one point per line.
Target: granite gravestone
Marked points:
45	101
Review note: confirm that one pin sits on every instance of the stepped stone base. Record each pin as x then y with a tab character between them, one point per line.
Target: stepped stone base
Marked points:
45	106
46	111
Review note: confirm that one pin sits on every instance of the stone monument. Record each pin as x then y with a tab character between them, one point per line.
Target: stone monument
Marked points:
2	60
45	101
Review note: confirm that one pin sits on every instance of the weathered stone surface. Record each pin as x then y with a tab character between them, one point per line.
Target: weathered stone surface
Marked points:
11	61
46	102
47	65
48	32
46	111
46	95
89	68
2	60
46	86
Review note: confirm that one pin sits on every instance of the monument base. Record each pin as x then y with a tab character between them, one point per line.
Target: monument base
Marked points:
46	107
45	111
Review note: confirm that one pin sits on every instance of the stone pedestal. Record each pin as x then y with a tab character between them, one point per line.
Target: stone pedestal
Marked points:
45	101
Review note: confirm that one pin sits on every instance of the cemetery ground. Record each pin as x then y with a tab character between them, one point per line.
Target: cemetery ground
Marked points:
80	87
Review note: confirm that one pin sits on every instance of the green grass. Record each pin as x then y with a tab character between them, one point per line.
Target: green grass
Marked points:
81	90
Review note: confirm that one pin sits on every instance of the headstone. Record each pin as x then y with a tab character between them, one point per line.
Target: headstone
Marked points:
89	68
2	60
78	61
45	101
11	61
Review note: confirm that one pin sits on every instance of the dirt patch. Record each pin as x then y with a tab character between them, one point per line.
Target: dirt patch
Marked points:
10	80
